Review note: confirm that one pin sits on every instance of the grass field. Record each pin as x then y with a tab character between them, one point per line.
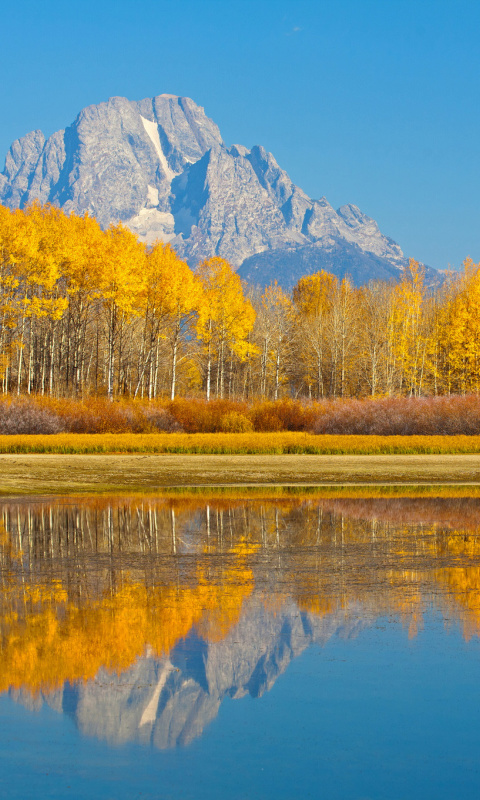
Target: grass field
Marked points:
25	474
283	443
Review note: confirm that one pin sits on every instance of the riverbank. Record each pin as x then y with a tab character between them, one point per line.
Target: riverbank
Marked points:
29	474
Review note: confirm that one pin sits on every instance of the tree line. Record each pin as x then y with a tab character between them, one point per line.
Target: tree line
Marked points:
87	311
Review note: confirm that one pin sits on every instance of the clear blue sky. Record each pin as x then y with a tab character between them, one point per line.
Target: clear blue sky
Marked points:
373	102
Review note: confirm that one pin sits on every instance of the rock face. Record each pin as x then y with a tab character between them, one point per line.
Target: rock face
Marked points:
160	167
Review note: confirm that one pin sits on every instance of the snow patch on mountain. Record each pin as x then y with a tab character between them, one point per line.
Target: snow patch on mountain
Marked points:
152	130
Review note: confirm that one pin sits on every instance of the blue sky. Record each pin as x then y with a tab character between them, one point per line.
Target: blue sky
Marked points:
373	102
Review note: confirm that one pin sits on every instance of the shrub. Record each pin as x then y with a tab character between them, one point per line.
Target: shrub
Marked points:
23	416
387	416
99	415
160	419
200	416
282	415
265	420
400	416
234	422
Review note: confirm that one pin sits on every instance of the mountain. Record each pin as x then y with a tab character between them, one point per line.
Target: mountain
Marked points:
160	166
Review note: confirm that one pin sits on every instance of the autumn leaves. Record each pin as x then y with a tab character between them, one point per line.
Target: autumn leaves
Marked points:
97	310
85	311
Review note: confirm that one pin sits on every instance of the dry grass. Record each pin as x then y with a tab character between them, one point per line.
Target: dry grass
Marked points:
253	443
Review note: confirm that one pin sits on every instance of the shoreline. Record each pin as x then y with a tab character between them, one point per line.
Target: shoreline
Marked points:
56	474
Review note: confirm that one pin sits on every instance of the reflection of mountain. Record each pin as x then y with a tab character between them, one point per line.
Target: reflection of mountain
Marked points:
137	616
169	701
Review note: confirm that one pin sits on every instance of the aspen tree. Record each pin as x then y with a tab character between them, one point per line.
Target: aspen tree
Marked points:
10	305
225	318
171	295
460	332
82	268
276	311
121	282
407	318
342	320
374	311
313	298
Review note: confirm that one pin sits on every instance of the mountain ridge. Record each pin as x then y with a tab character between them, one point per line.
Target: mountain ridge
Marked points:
161	167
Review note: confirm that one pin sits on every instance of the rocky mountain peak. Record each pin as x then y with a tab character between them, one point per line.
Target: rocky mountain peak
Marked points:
160	166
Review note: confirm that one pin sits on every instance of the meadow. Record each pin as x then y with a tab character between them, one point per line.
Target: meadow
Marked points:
94	445
281	443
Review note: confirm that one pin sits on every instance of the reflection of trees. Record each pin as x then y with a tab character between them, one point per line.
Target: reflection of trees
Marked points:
96	583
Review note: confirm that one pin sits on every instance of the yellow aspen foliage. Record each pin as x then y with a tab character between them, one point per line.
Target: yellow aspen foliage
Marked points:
89	311
460	333
313	300
411	342
120	287
172	295
225	318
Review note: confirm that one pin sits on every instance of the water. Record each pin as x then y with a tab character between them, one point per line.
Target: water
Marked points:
191	646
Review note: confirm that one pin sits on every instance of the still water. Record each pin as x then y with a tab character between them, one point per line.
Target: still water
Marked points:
189	646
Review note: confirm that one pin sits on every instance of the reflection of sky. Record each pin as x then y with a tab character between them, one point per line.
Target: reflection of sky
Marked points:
374	716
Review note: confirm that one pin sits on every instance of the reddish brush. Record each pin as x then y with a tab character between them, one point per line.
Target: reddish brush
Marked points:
95	415
283	415
388	416
401	416
202	416
21	416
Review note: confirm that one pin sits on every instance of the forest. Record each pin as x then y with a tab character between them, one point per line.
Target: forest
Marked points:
89	312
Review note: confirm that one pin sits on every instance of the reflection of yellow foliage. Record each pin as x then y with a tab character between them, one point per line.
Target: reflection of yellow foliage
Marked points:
464	586
316	604
63	641
327	554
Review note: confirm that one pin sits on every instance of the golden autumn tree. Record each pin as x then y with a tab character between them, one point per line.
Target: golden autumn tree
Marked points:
374	363
273	334
460	332
19	248
82	268
10	305
171	297
120	286
82	309
342	335
411	341
48	301
313	301
37	251
225	318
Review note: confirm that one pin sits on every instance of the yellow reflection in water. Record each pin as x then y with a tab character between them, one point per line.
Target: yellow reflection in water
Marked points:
99	584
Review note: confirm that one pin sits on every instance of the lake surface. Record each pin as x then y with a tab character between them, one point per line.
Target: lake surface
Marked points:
220	646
